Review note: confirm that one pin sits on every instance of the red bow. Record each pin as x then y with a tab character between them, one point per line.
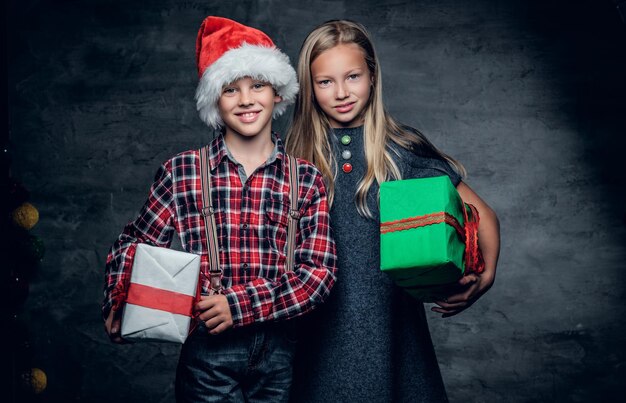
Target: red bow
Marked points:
474	262
119	295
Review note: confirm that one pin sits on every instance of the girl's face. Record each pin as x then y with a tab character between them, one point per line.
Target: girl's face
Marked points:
342	84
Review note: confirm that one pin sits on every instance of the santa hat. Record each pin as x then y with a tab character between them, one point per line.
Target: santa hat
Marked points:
227	51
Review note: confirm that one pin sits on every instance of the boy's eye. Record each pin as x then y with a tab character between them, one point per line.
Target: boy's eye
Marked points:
323	83
258	86
228	90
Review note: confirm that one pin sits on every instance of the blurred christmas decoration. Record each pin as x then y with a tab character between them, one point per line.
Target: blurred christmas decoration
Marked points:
22	253
32	248
22	250
34	380
25	216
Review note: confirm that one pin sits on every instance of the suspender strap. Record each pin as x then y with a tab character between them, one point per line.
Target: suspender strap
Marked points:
215	271
294	213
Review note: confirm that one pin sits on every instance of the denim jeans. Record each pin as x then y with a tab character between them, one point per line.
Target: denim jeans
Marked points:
240	365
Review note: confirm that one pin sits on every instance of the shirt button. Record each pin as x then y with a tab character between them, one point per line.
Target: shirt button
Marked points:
347	167
245	226
345	140
346	154
245	265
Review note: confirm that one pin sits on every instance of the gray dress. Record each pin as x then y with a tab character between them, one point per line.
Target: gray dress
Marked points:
370	341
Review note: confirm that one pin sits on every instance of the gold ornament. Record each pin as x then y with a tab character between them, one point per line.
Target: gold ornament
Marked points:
35	379
25	216
38	380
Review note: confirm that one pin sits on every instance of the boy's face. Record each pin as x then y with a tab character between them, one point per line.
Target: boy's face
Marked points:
246	107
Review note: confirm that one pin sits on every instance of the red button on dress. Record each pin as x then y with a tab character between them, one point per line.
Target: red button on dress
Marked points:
347	167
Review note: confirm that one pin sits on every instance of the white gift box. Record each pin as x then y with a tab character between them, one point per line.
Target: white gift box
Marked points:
161	295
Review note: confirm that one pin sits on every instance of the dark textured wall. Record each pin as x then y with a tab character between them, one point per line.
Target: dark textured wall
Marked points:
529	95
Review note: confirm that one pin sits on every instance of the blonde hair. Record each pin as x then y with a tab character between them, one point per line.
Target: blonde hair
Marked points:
308	136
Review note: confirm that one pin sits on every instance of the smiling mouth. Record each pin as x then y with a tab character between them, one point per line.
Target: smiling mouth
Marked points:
248	117
345	107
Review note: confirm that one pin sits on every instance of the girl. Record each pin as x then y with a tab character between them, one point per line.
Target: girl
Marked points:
371	340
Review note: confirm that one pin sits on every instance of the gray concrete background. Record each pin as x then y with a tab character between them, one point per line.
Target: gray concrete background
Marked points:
529	95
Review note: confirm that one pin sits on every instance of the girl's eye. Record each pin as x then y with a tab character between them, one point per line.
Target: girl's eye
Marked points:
323	83
353	76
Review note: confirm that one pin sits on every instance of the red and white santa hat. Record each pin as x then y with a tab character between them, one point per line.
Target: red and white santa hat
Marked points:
227	51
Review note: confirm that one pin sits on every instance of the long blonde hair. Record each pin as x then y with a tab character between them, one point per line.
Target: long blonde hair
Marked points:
308	135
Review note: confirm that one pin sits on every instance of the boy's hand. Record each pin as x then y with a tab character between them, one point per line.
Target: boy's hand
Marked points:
464	293
215	313
113	327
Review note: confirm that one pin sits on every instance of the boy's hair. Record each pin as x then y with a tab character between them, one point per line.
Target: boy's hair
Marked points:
308	139
227	51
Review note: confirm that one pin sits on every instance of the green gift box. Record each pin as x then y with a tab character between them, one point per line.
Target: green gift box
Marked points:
422	241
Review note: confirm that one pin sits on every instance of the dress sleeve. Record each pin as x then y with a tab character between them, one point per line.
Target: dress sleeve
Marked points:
428	167
414	165
153	226
295	292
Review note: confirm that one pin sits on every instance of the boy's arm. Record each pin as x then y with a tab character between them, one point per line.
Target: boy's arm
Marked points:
473	286
299	291
152	226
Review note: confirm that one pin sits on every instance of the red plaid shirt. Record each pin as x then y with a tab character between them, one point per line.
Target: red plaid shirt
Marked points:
251	220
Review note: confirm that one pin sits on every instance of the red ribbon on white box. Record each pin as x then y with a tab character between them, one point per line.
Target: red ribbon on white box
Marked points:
163	300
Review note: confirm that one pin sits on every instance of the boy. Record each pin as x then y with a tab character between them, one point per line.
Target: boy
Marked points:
245	81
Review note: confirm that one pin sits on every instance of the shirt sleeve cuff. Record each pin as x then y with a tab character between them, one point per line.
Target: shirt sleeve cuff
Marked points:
240	306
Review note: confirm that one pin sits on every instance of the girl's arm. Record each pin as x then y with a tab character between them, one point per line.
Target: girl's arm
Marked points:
473	286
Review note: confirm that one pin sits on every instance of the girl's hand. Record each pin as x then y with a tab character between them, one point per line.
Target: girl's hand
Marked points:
215	313
466	291
471	287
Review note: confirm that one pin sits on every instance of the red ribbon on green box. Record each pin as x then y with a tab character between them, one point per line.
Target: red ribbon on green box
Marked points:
429	237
